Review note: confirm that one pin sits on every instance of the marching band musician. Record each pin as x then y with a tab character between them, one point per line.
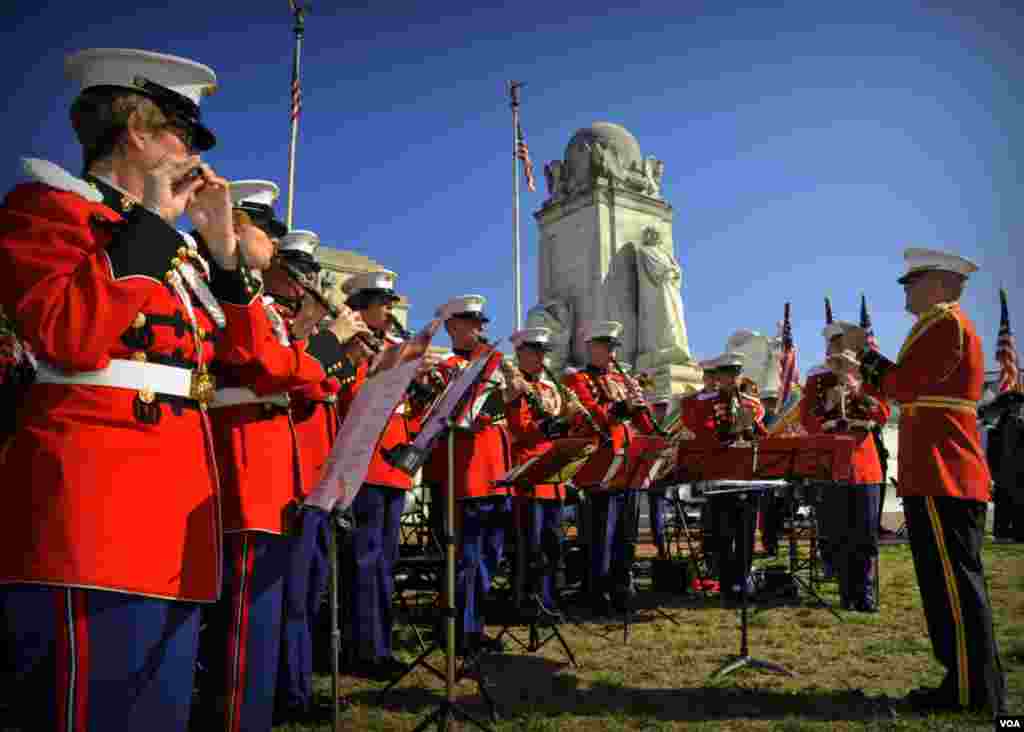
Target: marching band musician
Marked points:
261	483
337	352
720	417
944	480
482	456
603	392
377	509
535	417
122	312
835	402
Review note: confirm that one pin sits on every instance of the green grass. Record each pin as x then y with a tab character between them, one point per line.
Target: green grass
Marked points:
659	681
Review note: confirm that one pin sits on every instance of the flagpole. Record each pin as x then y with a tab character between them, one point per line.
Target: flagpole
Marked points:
513	88
299	10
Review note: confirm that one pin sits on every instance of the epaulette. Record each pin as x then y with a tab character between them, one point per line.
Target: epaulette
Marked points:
708	395
47	173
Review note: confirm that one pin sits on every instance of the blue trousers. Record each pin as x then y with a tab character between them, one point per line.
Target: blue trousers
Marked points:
98	660
855	530
482	546
246	624
607	540
369	561
304	585
656	506
545	541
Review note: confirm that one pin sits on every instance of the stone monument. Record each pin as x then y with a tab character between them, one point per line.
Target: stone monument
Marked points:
606	253
338	265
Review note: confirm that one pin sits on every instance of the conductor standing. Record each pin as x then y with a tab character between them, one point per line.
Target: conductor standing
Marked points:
944	480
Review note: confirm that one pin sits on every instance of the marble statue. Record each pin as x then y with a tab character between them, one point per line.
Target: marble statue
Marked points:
554	173
762	357
659	298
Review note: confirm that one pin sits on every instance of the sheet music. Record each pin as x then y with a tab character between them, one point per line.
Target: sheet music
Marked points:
444	410
349	459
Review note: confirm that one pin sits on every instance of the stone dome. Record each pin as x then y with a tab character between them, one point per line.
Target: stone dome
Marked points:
614	136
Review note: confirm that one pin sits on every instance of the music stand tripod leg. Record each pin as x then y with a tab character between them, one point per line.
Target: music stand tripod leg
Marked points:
746	524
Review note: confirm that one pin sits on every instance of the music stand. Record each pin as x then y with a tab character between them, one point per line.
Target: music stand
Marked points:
448	710
557	465
745	509
647	465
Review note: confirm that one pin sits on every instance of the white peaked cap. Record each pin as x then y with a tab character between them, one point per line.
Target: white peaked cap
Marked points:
602	329
383	279
261	192
540	336
770	394
836	328
121	67
299	240
463	305
933	260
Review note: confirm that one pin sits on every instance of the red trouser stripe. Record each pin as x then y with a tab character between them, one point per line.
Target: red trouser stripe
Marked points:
238	635
72	660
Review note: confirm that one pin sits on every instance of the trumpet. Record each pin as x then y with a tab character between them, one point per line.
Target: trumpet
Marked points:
570	397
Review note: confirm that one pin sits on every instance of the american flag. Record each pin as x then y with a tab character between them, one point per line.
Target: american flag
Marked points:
296	96
865	323
523	153
1006	349
828	311
788	373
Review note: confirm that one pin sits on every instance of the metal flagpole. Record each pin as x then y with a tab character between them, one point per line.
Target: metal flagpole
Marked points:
513	88
299	10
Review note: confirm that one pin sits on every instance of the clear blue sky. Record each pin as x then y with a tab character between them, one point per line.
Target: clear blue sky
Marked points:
804	148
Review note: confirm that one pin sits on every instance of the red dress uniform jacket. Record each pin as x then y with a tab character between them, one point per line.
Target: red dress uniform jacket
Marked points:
867	468
599	391
315	406
119	487
397	431
707	412
528	439
482	444
937	380
257	446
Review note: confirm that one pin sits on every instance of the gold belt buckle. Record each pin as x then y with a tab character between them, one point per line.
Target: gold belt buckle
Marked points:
202	387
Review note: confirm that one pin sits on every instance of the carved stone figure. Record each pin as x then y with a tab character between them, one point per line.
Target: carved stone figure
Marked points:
554	173
662	337
653	170
558	317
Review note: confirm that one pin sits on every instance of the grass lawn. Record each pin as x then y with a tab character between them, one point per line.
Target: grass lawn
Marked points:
659	679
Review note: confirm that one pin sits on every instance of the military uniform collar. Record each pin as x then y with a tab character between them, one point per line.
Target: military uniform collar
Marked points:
466	353
114	197
595	370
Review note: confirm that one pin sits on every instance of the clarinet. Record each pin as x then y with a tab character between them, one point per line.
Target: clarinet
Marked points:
568	395
550	424
637	394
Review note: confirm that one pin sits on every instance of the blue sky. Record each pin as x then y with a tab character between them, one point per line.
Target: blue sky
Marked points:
805	147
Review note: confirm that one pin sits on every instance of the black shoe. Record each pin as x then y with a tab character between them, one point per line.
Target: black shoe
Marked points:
866	606
927	700
490	645
601	605
379	669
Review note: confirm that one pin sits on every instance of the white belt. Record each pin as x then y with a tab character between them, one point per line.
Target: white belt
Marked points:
233	396
135	375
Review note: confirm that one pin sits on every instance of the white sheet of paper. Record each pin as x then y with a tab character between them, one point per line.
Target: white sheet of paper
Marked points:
350	456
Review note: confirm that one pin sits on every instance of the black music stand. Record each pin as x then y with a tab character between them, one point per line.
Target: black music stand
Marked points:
448	710
745	509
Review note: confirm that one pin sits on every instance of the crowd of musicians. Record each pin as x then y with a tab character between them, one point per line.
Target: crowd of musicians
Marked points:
188	387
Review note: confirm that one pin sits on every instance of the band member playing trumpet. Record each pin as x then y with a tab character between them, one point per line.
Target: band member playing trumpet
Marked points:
836	402
377	509
536	415
721	417
111	548
482	456
619	412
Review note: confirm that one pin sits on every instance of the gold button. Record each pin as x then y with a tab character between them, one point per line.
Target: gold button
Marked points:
140	320
147	395
139	356
182	252
201	331
175	262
